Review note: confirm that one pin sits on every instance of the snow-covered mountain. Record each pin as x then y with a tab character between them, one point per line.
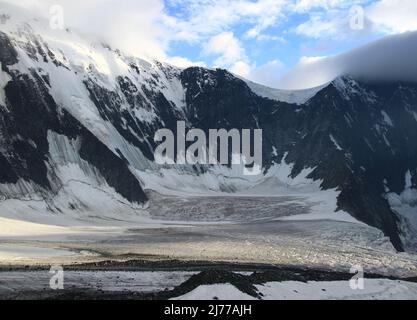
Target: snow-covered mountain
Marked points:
78	118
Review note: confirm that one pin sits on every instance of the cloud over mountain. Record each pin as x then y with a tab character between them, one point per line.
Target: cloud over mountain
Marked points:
391	58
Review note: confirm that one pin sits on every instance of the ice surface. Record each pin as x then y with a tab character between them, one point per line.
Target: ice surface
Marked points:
215	292
223	181
405	204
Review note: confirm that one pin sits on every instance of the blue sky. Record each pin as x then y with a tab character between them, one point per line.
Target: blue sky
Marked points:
262	39
281	41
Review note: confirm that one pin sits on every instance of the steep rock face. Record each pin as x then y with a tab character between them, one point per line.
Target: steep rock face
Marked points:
105	108
30	113
372	127
358	136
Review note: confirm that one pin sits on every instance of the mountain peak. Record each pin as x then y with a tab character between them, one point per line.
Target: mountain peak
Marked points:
350	88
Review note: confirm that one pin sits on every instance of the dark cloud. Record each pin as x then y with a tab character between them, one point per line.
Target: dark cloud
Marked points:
393	58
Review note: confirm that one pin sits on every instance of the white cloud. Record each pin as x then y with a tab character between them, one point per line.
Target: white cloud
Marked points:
337	19
133	26
232	56
309	60
318	27
205	18
303	6
227	46
332	18
241	68
395	16
148	28
230	53
268	37
144	27
182	62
